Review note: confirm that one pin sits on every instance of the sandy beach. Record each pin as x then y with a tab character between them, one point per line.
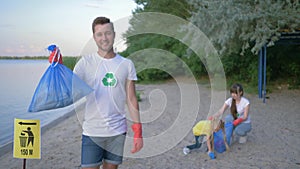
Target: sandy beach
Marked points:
168	112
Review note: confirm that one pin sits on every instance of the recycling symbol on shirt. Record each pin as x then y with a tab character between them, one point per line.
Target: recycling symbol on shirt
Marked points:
109	80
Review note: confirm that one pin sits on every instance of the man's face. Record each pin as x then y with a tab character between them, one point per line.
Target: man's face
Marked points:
104	36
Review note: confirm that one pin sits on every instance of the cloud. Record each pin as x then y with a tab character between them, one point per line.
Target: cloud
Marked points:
23	50
94	3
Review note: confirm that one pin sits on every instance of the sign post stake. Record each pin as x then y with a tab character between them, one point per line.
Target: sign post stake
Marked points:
24	163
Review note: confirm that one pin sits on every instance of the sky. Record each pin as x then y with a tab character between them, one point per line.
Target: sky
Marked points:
28	27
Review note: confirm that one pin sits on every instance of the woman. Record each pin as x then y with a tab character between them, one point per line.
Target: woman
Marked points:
239	108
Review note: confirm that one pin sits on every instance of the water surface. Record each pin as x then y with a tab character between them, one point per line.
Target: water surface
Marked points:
19	78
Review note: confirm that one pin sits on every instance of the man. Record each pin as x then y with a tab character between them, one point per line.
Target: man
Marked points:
112	78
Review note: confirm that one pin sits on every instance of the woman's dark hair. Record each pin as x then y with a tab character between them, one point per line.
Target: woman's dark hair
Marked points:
235	88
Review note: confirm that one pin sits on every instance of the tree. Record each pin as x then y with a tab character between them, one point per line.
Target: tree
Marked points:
236	25
233	26
180	8
144	41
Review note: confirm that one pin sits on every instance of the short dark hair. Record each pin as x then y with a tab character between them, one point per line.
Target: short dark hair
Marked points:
100	20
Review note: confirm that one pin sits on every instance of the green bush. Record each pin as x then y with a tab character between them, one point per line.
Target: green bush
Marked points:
70	61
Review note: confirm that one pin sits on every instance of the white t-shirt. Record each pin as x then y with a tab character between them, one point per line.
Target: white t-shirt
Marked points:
105	106
240	107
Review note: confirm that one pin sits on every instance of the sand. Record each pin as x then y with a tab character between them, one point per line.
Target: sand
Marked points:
168	112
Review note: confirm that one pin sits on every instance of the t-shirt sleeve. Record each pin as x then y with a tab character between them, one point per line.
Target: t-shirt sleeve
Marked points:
78	69
132	73
228	102
246	102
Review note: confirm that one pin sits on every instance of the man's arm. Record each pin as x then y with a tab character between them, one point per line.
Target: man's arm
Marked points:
132	102
135	116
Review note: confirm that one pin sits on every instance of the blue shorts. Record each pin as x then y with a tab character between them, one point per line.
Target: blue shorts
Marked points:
95	150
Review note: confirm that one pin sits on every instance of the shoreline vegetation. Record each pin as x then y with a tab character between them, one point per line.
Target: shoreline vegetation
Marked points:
31	57
70	62
23	57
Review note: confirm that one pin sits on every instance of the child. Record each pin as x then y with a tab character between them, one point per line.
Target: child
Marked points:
208	128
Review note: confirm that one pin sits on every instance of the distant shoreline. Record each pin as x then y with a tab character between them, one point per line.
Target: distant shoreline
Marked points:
68	61
31	57
25	57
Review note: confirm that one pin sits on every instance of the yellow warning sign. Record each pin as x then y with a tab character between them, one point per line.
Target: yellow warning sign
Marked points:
27	139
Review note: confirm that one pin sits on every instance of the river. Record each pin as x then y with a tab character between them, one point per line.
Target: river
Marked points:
19	79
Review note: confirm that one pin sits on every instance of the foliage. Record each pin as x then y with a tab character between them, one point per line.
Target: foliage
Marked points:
70	61
195	65
179	8
233	25
138	96
241	68
140	42
284	63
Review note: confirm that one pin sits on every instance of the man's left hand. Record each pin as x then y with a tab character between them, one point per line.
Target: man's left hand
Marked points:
137	137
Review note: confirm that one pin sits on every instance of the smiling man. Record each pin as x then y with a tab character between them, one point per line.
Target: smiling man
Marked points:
113	79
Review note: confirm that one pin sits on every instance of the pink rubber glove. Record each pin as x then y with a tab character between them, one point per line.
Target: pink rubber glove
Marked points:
237	121
137	137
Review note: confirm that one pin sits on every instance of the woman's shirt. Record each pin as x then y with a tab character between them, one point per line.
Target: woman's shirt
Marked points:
240	107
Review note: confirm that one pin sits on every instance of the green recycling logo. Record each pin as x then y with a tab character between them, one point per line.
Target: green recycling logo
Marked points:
109	80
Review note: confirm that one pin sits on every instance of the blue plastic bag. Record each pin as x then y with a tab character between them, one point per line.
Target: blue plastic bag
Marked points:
219	143
228	131
58	87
